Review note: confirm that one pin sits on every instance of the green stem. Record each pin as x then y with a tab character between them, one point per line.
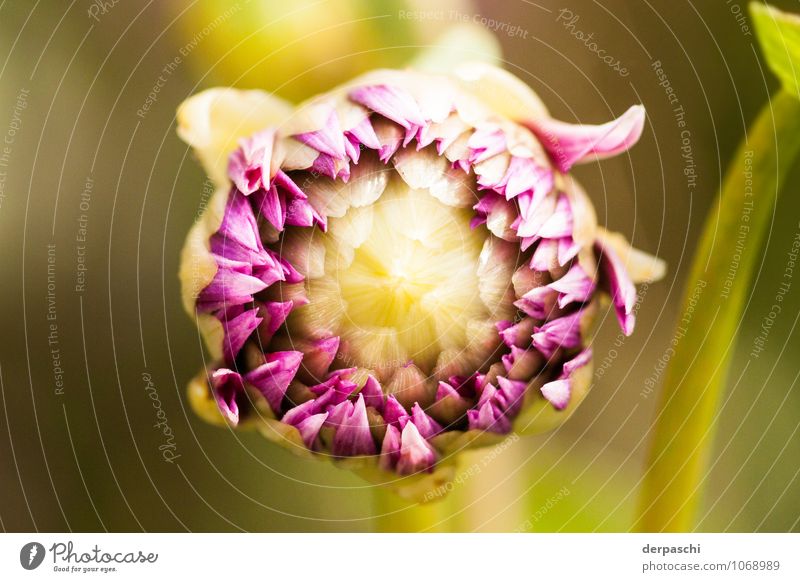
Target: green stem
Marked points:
696	376
393	514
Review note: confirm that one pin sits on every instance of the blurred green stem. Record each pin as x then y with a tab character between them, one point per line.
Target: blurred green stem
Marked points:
696	376
394	514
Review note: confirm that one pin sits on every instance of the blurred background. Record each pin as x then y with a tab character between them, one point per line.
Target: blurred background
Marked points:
97	194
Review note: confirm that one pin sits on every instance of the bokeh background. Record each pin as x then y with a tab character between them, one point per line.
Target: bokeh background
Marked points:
93	177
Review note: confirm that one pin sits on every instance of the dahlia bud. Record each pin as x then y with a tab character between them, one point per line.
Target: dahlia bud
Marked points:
401	268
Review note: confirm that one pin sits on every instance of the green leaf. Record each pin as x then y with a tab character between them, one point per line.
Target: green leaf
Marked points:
779	35
717	292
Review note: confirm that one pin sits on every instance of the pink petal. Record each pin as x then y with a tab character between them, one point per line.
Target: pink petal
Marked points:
488	418
273	377
227	289
309	428
558	393
425	424
564	332
569	144
579	361
249	164
390	449
274	313
362	134
237	329
228	390
391	102
239	223
485	143
575	285
353	437
620	286
329	139
393	411
415	452
272	206
559	223
512	393
538	302
373	395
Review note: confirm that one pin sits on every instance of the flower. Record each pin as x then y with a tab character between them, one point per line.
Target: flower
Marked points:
401	268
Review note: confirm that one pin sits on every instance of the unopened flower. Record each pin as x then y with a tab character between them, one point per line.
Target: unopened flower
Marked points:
401	268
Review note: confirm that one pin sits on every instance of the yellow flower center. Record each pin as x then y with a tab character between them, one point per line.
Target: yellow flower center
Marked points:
398	279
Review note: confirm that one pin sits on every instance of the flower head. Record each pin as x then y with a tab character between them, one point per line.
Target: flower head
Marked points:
401	268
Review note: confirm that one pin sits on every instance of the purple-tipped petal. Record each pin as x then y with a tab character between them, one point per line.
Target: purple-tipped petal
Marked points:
299	413
319	355
510	394
309	428
238	225
249	164
273	314
390	449
425	424
353	437
569	144
272	206
575	285
334	168
538	303
545	257
301	213
335	389
534	215
391	102
524	175
373	395
564	332
578	361
485	143
227	289
415	453
339	413
237	329
558	393
567	250
619	286
228	392
362	134
559	223
273	377
329	139
488	418
519	334
393	411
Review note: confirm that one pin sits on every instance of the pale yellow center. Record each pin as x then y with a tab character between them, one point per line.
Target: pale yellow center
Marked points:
400	277
411	285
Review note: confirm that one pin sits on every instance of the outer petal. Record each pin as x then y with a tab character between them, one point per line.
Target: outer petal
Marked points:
213	121
501	91
571	144
641	267
228	391
620	286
